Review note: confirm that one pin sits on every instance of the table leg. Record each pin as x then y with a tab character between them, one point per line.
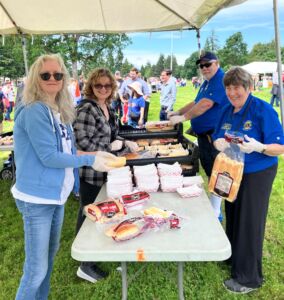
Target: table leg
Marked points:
180	280
124	280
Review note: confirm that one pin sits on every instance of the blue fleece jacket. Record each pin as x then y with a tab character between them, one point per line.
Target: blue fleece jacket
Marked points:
40	161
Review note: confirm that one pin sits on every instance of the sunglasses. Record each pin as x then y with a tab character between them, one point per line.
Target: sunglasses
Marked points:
46	76
99	86
207	65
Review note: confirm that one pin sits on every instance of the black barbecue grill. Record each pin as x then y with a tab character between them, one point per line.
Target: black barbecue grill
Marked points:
191	160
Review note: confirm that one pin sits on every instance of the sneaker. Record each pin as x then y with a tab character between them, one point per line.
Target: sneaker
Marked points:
91	273
233	286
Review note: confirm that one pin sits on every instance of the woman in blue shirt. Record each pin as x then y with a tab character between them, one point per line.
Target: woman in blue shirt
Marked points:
246	216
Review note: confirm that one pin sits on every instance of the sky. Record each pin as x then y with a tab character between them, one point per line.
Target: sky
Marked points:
254	19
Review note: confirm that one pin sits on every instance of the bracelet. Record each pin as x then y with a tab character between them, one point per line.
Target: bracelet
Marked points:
264	149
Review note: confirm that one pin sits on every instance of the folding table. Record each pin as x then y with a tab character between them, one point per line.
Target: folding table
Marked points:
200	238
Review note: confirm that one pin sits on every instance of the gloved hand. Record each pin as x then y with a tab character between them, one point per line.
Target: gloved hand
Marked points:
116	145
250	145
221	144
102	160
177	119
133	147
172	113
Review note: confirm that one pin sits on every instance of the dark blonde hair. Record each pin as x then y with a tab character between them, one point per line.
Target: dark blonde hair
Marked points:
93	79
34	93
237	76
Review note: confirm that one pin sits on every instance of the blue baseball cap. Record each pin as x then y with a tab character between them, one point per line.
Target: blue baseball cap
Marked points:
207	56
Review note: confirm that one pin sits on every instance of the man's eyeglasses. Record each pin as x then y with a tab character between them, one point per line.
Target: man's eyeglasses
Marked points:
46	76
99	86
207	65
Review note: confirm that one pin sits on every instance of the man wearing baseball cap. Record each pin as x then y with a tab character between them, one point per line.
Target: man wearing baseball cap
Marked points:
203	113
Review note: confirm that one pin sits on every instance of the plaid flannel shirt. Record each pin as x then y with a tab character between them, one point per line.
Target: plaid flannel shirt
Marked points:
93	133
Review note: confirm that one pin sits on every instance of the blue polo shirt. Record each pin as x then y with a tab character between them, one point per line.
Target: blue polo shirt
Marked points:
212	89
256	119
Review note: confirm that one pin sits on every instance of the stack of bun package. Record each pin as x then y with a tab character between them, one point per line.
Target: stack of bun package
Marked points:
227	173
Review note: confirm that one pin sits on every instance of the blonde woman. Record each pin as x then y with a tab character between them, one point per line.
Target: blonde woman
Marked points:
46	159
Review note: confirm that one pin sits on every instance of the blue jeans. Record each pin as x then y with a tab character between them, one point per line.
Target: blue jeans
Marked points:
42	226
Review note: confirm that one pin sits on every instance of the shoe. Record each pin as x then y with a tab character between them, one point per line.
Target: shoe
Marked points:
233	286
90	272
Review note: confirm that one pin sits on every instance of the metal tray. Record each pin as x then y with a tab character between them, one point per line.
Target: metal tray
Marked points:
191	159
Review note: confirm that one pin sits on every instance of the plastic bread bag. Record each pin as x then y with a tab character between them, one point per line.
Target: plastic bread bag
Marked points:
227	173
135	199
107	211
136	226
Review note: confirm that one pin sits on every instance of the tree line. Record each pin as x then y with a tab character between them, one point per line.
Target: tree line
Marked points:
83	52
233	53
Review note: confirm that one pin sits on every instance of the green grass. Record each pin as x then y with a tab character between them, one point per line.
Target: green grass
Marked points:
202	281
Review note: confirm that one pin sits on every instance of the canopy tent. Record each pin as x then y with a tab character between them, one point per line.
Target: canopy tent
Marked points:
114	16
106	16
261	67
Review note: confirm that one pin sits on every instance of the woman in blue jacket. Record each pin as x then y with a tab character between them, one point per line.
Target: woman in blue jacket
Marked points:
46	169
264	141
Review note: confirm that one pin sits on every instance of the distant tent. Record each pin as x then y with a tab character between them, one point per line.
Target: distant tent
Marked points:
261	67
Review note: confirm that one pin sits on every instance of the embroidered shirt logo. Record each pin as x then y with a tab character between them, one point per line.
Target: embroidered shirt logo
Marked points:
247	125
227	126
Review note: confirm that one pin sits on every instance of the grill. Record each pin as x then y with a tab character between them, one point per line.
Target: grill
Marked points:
191	160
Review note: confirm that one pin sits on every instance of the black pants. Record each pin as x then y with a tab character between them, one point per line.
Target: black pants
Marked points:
146	111
207	153
245	226
88	194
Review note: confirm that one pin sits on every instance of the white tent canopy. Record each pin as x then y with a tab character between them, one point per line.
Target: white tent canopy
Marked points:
261	67
107	16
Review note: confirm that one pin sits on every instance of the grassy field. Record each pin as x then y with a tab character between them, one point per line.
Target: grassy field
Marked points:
202	281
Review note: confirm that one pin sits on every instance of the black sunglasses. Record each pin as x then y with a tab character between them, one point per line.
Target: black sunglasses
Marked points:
99	86
207	65
46	76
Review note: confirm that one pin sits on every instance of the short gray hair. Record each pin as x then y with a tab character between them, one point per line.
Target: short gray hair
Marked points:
238	76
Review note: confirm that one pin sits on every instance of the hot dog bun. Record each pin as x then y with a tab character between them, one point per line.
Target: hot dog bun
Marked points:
117	162
125	232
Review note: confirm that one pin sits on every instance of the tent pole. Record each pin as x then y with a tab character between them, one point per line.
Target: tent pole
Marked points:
278	54
24	47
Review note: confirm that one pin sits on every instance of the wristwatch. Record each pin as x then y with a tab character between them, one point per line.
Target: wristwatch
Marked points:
264	149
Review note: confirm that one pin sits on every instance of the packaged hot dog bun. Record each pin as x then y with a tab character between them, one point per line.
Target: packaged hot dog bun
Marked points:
117	162
155	211
126	231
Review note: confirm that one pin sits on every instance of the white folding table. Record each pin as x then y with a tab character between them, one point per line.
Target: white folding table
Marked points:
200	238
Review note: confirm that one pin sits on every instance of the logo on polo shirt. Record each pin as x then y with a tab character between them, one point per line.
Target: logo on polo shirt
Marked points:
226	126
247	125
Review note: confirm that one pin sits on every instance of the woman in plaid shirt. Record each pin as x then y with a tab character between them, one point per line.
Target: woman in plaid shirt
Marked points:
96	129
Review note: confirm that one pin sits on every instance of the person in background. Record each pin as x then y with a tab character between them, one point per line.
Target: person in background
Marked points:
46	163
116	103
264	141
20	92
96	129
168	94
275	91
136	106
203	113
2	108
124	91
10	95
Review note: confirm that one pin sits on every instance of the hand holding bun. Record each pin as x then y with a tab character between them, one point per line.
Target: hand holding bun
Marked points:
103	161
